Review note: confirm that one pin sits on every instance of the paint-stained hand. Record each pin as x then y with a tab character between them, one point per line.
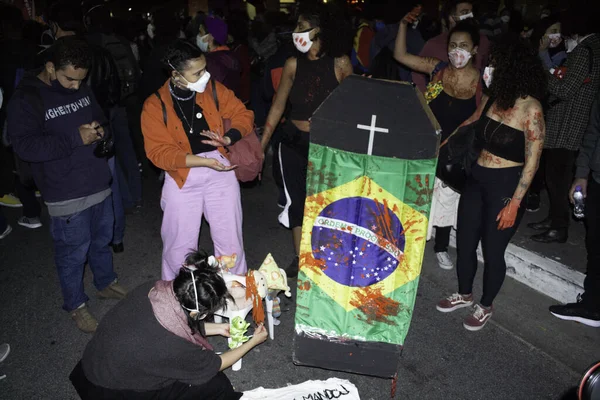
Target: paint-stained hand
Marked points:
507	216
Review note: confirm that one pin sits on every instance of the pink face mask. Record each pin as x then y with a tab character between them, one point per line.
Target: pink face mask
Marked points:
459	58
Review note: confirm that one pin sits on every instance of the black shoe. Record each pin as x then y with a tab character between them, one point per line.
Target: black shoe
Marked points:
533	202
577	312
118	248
543	225
551	236
292	270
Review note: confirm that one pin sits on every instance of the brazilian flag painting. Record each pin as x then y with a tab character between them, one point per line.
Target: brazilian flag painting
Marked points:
364	232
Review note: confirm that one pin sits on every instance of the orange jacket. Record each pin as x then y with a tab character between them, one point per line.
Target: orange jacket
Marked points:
168	146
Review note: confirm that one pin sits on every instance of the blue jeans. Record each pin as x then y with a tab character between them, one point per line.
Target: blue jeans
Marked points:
80	237
117	202
128	171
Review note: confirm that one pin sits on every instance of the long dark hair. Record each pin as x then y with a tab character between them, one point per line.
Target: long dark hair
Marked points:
210	286
518	72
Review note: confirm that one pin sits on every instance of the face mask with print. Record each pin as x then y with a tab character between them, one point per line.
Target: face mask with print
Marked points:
488	72
302	41
466	16
555	39
201	43
459	58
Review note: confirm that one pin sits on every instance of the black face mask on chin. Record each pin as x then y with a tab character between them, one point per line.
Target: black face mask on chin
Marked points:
60	88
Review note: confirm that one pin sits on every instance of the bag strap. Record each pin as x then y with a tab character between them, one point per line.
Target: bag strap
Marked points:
164	108
483	113
214	93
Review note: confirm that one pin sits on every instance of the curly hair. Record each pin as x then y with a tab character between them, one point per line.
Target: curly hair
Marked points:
179	53
518	72
210	286
336	31
70	50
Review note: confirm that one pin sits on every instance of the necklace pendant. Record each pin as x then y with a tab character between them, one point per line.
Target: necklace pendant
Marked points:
191	131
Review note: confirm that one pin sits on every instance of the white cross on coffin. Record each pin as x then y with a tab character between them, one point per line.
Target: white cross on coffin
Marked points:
372	129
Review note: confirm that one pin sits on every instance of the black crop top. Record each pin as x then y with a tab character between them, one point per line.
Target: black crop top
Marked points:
314	81
501	140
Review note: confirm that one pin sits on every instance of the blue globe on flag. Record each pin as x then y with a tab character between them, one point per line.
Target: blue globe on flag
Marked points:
359	241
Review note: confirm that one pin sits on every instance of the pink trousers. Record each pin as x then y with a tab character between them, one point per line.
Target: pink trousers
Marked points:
209	193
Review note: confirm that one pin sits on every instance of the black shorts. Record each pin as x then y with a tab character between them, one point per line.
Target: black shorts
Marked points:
293	161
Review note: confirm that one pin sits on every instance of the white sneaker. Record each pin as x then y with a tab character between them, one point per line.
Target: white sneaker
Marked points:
31	223
444	260
6	232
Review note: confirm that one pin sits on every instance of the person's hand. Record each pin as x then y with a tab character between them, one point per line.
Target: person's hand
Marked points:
578	182
217	166
215	139
544	43
507	216
89	134
260	335
221	329
412	16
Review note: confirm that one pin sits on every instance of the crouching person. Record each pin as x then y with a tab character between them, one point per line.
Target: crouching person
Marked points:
153	345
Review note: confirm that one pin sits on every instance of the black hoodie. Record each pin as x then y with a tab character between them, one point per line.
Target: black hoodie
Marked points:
43	126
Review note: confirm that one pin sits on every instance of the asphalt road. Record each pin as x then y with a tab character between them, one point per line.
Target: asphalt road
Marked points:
523	353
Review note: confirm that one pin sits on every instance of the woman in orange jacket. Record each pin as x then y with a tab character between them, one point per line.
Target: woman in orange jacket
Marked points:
183	132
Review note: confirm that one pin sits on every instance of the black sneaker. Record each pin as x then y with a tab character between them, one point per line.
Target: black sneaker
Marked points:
292	270
577	312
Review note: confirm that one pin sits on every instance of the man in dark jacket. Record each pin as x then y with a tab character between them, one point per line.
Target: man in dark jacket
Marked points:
53	123
587	176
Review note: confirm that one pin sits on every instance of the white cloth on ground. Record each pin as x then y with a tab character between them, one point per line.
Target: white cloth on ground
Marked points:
332	388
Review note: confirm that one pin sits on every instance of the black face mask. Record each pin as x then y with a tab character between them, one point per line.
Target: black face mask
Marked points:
60	88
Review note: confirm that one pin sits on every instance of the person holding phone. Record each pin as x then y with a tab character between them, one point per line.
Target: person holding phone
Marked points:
54	123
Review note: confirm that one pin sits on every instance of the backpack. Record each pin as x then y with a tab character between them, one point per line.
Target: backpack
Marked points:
127	67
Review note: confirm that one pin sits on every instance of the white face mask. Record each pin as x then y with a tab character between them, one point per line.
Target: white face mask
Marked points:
571	43
488	72
302	41
459	58
202	43
200	85
466	16
555	39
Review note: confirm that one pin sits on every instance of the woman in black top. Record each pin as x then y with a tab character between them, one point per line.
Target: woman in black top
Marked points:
510	136
324	38
152	345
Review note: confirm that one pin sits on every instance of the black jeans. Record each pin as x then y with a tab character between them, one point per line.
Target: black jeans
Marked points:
559	176
591	284
218	388
486	192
